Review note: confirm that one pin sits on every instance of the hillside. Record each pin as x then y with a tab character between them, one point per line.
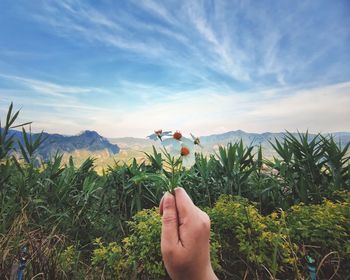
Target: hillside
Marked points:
107	151
210	143
87	143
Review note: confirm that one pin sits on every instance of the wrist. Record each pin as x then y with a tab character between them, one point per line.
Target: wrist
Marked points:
206	273
210	275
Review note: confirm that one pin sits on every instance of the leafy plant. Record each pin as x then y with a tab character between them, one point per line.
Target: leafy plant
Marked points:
6	139
236	161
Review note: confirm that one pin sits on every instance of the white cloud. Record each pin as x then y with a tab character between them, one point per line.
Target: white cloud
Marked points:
322	109
157	9
49	88
84	21
202	111
227	58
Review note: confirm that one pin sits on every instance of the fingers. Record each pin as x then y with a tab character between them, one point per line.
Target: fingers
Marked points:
169	220
183	202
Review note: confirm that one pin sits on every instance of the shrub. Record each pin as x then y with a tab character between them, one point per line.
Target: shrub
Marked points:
250	242
143	245
323	231
326	224
68	260
277	245
108	259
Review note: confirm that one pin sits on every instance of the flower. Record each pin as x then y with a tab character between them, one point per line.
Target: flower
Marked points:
196	140
184	151
176	143
158	134
187	155
177	135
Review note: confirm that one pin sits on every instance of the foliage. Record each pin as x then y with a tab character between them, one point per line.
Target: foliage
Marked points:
108	259
323	230
7	140
310	169
68	259
143	244
236	163
261	243
244	243
267	215
276	245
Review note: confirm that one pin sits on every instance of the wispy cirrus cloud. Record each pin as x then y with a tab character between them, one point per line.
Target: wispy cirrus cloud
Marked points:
239	40
157	9
49	88
207	66
77	19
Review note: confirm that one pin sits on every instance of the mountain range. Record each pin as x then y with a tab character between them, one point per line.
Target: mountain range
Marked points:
90	143
262	138
211	143
87	141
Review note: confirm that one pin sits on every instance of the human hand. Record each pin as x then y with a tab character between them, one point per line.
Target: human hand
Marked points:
185	238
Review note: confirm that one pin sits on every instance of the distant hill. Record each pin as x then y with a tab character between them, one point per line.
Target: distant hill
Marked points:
211	142
87	143
262	138
127	142
108	151
237	135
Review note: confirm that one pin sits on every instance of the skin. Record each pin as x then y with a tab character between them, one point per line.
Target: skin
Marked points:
185	238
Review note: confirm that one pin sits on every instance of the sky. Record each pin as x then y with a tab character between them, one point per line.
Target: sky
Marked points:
127	68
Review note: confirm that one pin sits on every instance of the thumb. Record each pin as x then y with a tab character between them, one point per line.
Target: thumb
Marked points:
184	204
169	220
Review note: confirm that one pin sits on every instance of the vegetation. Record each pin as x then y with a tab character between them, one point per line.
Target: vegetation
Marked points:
271	219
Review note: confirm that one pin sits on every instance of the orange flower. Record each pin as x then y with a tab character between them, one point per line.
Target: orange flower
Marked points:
177	135
184	151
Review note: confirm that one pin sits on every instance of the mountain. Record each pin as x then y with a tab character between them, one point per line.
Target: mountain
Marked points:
107	151
210	143
237	135
127	142
87	143
263	138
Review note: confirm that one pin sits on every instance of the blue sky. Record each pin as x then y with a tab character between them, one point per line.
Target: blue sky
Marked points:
125	68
